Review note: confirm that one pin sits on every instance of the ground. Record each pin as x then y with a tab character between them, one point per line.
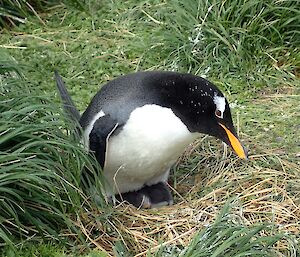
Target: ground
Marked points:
90	49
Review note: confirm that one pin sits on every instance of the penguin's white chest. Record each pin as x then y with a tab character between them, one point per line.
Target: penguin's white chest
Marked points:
143	152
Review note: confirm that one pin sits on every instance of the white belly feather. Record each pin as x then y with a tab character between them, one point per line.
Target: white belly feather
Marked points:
143	152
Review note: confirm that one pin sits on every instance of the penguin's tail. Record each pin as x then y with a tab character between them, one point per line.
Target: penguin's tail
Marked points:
68	104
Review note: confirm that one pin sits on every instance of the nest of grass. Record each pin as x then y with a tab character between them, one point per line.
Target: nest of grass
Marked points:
261	195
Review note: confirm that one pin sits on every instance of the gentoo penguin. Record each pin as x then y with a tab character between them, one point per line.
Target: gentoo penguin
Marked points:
139	124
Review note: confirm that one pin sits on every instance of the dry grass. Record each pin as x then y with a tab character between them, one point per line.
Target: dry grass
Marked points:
264	189
261	195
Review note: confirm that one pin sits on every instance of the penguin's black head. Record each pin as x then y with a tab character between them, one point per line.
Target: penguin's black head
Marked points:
219	122
204	109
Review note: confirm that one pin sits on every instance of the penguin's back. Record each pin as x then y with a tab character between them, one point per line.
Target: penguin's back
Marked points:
121	96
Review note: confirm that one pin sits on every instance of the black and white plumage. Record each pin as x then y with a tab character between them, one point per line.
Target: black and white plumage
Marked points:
139	124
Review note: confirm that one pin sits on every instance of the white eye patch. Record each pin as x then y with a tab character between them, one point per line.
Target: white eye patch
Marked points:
220	105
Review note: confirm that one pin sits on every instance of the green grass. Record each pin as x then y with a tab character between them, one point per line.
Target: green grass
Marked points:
15	12
229	237
121	37
40	160
250	49
47	250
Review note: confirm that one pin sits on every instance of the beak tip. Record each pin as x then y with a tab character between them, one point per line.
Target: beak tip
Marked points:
242	153
246	157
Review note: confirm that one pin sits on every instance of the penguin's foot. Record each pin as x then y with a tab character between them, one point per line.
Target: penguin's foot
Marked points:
149	196
137	198
159	194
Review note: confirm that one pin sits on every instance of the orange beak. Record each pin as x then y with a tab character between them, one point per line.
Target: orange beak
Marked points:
235	143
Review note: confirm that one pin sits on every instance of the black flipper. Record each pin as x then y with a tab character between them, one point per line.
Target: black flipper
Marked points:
102	130
68	104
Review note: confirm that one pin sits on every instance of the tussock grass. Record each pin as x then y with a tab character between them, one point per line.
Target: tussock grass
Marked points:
40	162
238	38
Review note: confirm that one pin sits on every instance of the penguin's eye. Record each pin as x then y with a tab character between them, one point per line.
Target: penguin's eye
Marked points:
219	114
